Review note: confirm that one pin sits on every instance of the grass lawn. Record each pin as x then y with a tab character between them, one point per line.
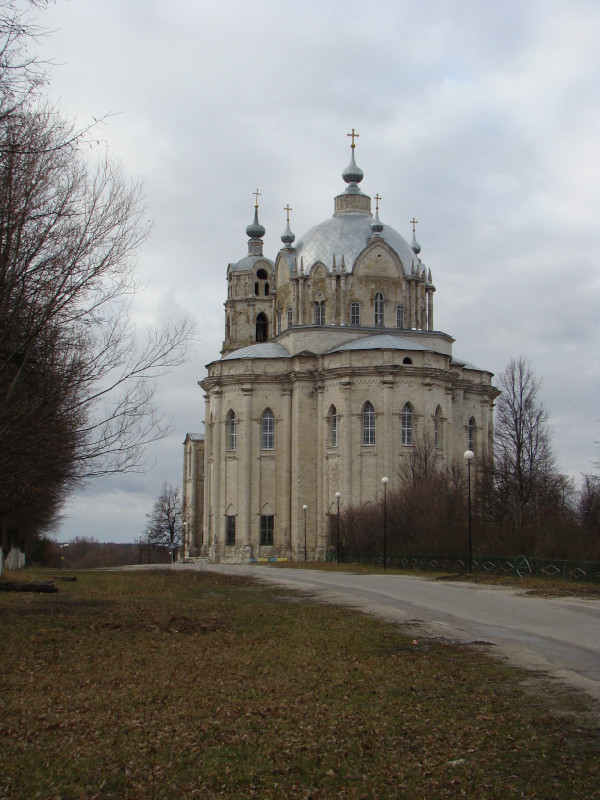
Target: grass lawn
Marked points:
191	684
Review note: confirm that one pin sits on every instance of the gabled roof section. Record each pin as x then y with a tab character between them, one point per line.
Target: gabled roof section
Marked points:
382	341
259	350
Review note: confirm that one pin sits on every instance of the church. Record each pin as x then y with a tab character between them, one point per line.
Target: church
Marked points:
331	372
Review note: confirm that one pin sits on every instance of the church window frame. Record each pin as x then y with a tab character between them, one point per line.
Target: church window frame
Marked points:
262	327
400	316
333	426
267	430
267	290
407	417
267	530
355	313
231	430
379	307
368	424
290	317
471	432
278	322
320	312
230	521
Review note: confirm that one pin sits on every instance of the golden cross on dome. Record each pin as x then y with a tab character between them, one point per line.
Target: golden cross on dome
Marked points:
414	222
377	199
353	136
258	194
287	210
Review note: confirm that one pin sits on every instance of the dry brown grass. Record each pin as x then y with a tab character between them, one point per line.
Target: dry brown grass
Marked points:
163	685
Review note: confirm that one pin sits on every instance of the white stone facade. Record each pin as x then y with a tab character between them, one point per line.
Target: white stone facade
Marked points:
331	371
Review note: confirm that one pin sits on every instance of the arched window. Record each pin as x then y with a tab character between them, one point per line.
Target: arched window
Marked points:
266	289
231	428
437	429
320	312
227	328
289	317
407	424
399	316
407	360
355	314
267	430
256	288
261	274
379	304
471	428
333	427
368	423
278	322
262	327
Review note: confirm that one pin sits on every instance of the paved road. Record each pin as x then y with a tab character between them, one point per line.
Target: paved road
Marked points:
560	636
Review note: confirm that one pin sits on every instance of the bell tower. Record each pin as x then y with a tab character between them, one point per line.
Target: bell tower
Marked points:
249	308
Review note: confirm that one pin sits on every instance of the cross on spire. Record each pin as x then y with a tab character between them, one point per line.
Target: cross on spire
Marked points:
377	199
414	222
257	194
353	136
287	210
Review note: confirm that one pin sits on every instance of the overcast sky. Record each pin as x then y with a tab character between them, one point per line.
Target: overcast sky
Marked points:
480	118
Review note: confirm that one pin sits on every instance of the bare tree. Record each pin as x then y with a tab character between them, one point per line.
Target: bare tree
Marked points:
165	522
76	379
524	465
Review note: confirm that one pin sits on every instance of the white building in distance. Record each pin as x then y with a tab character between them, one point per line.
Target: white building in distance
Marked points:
331	371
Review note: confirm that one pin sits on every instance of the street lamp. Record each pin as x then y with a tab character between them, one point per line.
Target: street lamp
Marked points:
469	456
385	482
305	509
337	497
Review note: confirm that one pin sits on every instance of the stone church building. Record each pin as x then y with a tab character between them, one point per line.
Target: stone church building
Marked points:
331	371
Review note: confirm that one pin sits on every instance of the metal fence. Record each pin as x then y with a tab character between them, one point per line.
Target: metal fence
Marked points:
517	566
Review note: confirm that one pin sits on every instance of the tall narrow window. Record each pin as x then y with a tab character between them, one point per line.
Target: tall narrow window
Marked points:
279	322
407	424
471	428
399	316
267	527
267	430
368	423
289	317
320	313
232	424
266	289
333	427
230	531
355	314
262	327
379	304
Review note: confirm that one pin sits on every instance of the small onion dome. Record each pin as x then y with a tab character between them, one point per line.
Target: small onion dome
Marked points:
256	230
416	247
287	237
377	225
352	173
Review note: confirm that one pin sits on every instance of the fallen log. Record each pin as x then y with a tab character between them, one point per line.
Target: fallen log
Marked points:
27	586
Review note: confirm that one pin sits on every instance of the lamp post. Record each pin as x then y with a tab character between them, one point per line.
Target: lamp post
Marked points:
337	497
305	509
385	482
469	456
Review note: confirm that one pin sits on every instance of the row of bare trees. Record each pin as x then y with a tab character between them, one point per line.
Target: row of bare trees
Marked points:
76	379
522	504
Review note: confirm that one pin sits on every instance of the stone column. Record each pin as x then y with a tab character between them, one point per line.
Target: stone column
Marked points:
388	444
320	464
285	473
206	513
217	517
246	475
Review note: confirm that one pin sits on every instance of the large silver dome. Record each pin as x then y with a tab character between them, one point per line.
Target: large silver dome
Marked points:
347	235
